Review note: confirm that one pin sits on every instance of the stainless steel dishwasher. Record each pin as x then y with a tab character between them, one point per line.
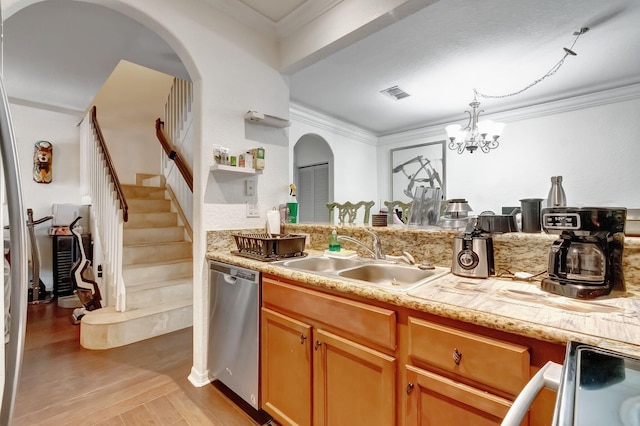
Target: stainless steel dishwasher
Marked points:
233	333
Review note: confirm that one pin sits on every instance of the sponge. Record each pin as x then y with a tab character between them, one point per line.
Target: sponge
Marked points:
341	254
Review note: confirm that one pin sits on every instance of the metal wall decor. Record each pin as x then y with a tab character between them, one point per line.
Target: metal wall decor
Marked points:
417	165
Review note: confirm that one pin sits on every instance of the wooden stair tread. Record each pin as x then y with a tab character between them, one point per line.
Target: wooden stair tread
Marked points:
160	243
152	264
158	284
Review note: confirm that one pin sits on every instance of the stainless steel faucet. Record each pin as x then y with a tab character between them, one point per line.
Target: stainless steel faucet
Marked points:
376	250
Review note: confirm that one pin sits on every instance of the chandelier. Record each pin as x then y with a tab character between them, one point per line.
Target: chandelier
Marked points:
477	134
484	134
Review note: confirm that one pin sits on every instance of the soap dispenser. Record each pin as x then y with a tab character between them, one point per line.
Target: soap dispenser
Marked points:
334	243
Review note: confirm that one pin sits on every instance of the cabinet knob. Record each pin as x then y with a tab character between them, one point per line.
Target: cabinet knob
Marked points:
409	388
317	345
457	356
302	339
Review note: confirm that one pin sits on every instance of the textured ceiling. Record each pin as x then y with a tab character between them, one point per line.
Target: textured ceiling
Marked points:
438	55
441	53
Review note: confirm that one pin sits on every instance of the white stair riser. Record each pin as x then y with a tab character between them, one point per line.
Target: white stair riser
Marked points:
153	235
133	275
156	180
156	253
105	336
138	205
151	220
159	295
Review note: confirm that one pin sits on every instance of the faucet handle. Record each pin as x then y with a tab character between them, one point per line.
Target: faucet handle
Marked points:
377	245
376	238
409	258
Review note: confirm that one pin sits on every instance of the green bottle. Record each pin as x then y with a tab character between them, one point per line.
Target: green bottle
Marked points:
334	242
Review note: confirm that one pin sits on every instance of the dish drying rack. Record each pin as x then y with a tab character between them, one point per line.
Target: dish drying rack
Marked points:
269	247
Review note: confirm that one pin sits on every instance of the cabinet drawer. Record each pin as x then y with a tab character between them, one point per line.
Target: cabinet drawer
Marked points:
364	322
500	365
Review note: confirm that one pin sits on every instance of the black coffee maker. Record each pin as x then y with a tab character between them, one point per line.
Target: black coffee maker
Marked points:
586	262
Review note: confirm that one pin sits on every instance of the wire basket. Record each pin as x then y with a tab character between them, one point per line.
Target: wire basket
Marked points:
270	246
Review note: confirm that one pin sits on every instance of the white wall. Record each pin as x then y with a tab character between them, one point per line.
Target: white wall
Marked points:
31	125
354	155
595	149
127	106
234	69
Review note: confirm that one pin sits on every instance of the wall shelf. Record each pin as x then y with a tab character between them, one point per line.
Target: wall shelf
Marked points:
266	120
221	167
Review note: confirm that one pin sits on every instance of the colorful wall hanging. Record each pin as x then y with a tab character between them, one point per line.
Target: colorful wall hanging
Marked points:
43	162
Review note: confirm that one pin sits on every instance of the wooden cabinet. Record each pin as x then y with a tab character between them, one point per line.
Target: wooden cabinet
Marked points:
330	360
326	360
457	377
286	368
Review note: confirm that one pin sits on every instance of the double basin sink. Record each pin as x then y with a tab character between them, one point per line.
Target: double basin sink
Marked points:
379	273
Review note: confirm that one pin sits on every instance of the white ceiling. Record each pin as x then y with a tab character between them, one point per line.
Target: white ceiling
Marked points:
441	53
438	55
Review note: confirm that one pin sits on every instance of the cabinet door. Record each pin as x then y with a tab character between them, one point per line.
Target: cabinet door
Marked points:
286	368
436	400
353	384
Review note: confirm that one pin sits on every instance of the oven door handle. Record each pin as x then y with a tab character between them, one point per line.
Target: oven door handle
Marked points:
548	376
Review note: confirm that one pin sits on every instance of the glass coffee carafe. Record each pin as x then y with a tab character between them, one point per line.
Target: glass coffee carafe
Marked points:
585	261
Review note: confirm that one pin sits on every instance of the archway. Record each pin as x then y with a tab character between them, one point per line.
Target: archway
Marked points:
313	174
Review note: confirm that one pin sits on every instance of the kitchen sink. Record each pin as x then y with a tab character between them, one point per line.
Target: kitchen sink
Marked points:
321	263
379	273
395	275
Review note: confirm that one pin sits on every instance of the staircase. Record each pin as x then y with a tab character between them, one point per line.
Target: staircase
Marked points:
157	273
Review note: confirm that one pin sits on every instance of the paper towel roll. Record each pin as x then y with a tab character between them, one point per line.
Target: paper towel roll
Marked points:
273	222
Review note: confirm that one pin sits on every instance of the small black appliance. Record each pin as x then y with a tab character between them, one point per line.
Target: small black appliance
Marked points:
586	261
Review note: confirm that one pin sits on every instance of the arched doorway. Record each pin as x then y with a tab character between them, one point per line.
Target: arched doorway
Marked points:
313	173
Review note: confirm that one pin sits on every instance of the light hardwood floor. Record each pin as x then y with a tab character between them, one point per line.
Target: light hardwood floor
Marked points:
144	383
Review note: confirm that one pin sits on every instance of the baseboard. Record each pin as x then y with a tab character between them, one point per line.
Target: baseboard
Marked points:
199	379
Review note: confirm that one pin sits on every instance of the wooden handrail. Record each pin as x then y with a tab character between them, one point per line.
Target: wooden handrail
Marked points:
110	167
174	155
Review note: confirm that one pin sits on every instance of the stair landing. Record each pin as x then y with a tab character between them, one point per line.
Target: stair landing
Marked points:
107	328
157	273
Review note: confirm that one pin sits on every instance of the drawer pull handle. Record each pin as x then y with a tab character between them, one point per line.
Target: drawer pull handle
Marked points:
302	339
317	345
457	356
409	388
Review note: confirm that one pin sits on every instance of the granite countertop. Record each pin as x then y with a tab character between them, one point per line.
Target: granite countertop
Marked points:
502	304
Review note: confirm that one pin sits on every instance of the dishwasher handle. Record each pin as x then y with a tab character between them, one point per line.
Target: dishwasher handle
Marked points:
548	376
230	279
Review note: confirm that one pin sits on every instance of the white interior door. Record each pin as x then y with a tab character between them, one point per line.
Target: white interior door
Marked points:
313	193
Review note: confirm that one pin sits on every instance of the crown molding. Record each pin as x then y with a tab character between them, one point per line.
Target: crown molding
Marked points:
304	115
243	13
298	18
302	15
575	103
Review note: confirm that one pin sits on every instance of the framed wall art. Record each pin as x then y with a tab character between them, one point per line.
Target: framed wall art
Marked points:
415	166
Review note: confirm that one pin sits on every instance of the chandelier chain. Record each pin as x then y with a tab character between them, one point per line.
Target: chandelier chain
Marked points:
552	71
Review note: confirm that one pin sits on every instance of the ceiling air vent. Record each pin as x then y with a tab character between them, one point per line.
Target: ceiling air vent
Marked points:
395	92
